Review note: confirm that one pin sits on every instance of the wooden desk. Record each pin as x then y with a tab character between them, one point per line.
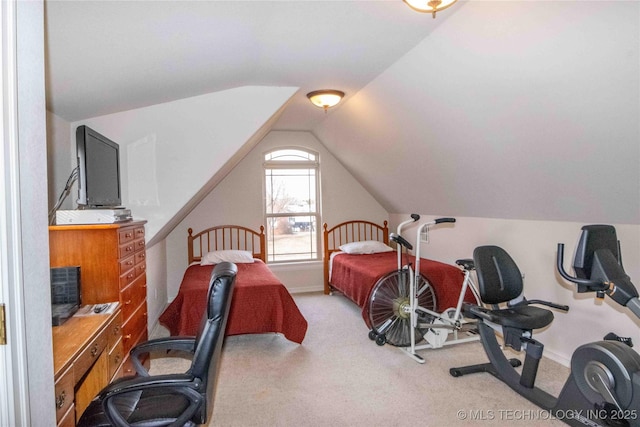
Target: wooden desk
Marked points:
112	260
87	355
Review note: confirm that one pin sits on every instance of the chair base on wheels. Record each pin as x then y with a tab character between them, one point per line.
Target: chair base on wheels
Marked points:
139	408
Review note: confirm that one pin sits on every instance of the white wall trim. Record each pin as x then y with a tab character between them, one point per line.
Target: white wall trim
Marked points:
14	401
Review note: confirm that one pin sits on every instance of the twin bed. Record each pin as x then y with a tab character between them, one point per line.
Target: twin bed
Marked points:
354	274
262	304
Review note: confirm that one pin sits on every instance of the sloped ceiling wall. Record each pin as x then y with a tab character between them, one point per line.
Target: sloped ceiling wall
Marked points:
173	154
520	110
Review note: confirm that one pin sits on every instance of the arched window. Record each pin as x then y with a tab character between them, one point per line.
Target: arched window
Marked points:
292	204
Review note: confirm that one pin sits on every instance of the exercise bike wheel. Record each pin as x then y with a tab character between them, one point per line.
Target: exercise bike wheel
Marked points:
390	311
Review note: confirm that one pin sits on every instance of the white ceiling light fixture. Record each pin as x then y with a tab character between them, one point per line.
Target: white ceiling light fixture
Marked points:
325	98
429	6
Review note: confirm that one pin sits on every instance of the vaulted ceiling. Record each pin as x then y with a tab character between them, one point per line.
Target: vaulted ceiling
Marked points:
110	56
524	110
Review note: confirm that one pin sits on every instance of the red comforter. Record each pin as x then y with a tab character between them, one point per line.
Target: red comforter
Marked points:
260	304
356	275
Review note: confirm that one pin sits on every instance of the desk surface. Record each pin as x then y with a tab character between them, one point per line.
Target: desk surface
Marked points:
70	338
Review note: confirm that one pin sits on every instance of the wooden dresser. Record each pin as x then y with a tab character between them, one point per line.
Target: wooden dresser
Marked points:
87	355
112	268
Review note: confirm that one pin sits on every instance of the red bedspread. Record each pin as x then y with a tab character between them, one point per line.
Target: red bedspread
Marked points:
355	276
260	304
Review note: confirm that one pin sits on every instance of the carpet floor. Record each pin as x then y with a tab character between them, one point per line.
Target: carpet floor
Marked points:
338	377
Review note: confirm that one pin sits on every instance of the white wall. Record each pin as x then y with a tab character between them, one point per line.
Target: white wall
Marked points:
32	343
60	159
508	109
168	153
238	199
156	281
532	244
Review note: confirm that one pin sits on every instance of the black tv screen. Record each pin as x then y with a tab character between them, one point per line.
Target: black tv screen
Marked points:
98	170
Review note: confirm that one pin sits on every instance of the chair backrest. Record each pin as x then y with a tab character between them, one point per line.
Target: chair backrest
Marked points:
208	343
499	278
593	238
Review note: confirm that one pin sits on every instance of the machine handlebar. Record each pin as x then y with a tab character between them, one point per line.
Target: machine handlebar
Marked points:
401	240
441	220
585	285
608	278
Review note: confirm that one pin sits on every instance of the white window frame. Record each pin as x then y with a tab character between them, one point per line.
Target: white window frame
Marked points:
294	164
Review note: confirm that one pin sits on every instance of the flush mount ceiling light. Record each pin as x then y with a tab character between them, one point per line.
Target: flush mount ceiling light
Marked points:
429	6
325	98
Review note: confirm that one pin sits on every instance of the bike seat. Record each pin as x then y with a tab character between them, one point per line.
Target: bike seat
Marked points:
467	264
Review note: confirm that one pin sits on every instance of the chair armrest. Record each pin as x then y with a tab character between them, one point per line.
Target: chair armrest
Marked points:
476	312
560	307
130	384
159	344
183	384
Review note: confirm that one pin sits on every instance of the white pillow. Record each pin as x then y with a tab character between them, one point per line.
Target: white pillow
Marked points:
365	247
229	255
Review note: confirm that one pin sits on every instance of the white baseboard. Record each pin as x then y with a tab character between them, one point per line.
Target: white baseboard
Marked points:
305	289
557	358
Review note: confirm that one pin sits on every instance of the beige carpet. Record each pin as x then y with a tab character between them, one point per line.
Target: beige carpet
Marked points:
338	377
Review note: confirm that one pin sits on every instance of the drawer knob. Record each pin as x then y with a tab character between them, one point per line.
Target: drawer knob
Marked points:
60	399
127	337
127	302
94	351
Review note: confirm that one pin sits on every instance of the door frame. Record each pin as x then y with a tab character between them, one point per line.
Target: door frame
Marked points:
14	390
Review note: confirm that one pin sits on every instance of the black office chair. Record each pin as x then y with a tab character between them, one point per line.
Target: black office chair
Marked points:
173	399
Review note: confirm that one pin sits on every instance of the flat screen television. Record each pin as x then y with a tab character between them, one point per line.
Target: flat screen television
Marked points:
98	170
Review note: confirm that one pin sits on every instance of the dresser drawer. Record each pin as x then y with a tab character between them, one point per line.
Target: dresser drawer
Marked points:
134	327
127	264
114	331
127	278
132	296
127	249
89	355
141	269
146	360
139	245
116	356
140	257
139	232
68	419
64	393
126	235
122	371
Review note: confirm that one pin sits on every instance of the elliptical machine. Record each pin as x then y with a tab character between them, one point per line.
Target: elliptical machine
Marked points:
604	385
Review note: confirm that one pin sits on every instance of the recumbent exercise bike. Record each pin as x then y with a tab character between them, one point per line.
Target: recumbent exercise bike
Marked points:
604	384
